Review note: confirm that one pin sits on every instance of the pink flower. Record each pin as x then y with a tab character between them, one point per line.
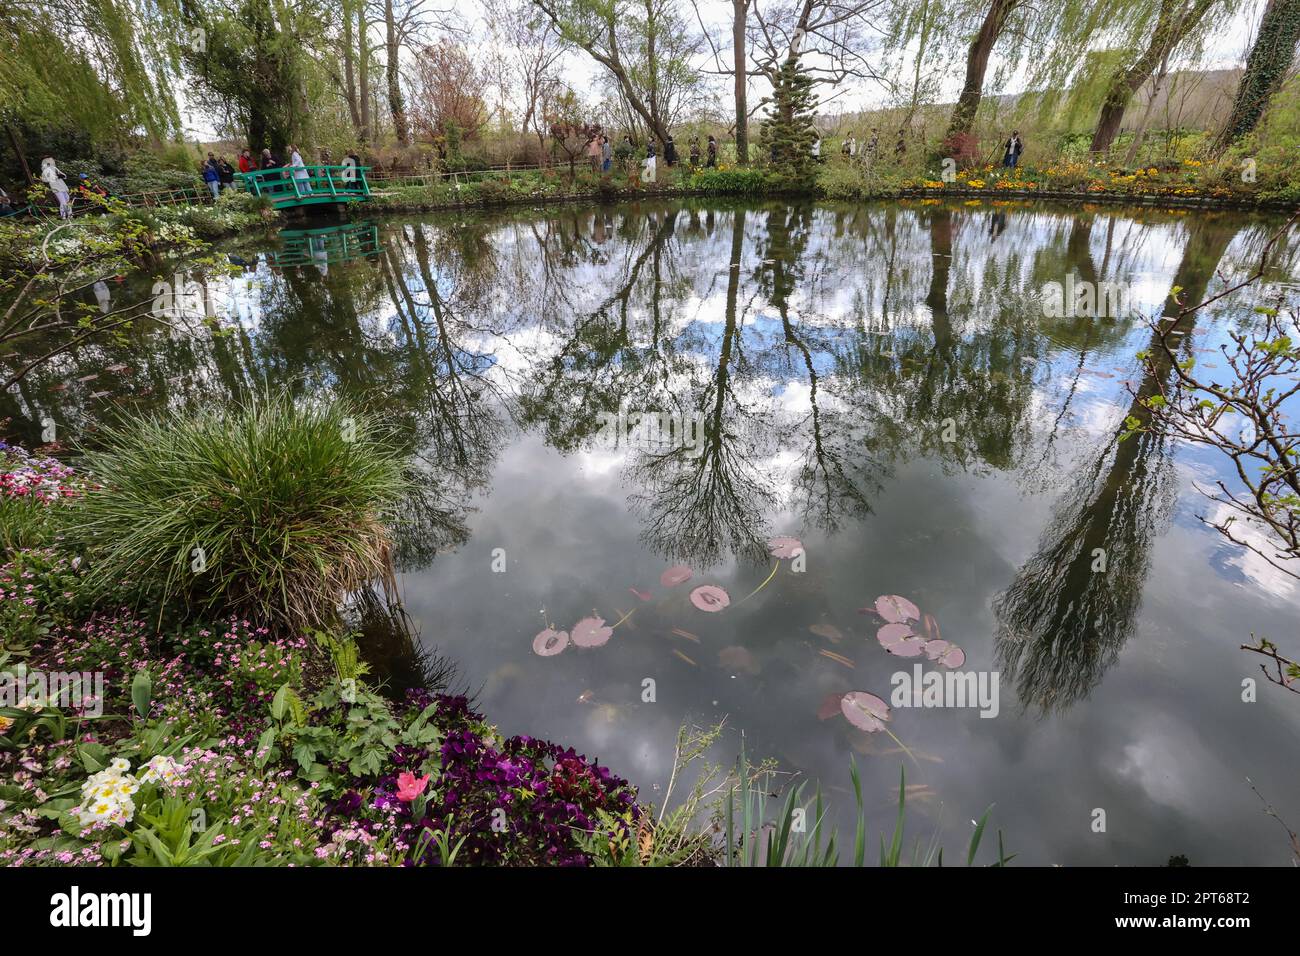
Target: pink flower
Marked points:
409	786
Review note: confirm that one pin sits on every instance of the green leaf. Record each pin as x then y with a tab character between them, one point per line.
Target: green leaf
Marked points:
94	757
142	692
280	702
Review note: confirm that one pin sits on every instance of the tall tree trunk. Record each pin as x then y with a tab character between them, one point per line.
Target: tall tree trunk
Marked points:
16	142
740	16
609	58
977	64
1266	67
1176	20
363	72
396	103
652	61
1140	133
349	68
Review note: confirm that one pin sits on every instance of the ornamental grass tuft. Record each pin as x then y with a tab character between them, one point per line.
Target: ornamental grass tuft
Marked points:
273	510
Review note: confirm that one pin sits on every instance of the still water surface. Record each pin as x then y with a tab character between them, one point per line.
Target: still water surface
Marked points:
878	381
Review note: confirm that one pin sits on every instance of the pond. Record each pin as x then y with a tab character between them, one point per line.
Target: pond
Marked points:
879	382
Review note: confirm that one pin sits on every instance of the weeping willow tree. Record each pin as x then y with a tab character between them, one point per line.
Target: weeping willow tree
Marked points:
83	71
1116	48
254	65
1161	29
1015	33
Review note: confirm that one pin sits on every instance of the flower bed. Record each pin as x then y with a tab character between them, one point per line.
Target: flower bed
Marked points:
223	744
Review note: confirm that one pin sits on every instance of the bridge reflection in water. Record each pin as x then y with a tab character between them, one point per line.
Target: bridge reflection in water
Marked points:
325	247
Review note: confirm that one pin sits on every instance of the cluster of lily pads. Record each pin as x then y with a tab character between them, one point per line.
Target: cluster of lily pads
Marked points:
710	598
907	632
901	637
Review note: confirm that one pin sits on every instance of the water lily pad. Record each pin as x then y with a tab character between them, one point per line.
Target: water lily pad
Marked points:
550	642
892	634
675	575
710	597
897	609
935	649
591	632
865	711
912	647
953	657
643	595
784	547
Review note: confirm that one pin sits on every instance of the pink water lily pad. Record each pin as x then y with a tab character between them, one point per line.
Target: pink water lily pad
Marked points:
897	609
591	632
953	657
710	597
550	642
935	649
643	595
893	634
675	575
784	547
865	711
912	647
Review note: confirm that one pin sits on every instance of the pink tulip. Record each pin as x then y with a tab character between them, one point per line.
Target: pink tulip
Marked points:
409	786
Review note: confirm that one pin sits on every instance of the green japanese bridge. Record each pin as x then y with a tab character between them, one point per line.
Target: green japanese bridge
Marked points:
294	187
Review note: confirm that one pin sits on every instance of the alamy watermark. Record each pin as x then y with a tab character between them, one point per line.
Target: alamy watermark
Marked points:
946	689
650	430
1080	298
72	690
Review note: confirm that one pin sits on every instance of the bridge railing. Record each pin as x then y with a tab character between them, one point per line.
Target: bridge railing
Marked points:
289	185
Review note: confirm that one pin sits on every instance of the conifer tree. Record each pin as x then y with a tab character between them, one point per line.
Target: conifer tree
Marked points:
787	134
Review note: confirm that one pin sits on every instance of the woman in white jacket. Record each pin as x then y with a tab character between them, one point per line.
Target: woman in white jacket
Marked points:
299	171
54	179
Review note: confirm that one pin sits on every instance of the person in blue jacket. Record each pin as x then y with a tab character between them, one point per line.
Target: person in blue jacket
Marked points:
212	175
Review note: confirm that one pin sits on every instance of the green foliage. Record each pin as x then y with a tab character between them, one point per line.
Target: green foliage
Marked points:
343	726
799	836
274	508
787	134
729	182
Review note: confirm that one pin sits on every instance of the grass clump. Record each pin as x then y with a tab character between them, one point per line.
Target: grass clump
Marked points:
273	510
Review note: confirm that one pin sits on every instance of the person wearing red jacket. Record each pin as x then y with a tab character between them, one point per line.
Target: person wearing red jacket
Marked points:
245	162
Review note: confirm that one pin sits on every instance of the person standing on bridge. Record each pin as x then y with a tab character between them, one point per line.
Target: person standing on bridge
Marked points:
245	162
226	172
212	175
299	171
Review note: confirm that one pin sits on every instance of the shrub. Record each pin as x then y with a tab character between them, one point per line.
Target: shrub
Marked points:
964	148
274	509
731	182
